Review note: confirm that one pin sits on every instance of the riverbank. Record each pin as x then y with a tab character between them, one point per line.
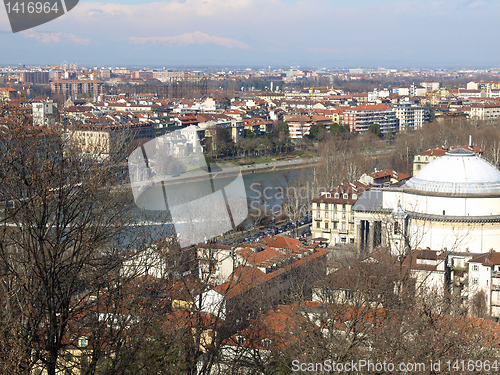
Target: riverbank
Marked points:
245	170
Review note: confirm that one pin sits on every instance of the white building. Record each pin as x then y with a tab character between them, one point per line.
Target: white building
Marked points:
484	282
333	218
431	85
452	204
483	111
44	114
410	115
361	117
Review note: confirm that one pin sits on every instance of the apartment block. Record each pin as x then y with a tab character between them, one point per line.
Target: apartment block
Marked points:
361	117
71	88
332	214
411	116
484	111
484	283
35	78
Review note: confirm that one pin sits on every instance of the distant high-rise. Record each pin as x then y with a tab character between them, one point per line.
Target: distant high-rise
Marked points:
35	78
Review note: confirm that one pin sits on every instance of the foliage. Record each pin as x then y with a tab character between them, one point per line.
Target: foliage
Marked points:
337	130
375	129
317	132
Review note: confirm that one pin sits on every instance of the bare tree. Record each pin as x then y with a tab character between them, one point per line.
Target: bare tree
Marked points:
62	225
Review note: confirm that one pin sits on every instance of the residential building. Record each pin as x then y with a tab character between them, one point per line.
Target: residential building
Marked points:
361	117
258	126
467	94
485	111
44	113
431	85
332	214
216	263
35	78
7	93
265	270
72	88
101	139
169	76
299	126
487	86
484	284
383	177
411	116
429	270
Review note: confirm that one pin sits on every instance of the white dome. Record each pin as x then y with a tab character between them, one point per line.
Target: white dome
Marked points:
460	171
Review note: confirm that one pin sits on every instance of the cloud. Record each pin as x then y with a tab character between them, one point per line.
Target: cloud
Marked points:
52	37
190	38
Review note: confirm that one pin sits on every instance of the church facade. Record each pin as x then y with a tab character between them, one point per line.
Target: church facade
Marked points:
452	204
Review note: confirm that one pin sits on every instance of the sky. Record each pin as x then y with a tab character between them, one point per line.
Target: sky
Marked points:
277	33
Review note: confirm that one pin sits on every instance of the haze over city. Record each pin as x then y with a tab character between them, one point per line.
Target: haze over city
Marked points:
313	33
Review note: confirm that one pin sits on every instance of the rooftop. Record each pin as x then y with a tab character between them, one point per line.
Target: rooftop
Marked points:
459	171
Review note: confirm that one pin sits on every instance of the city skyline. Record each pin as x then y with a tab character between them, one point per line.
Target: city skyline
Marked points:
260	33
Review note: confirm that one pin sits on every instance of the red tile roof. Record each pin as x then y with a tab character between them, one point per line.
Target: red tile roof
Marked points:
488	259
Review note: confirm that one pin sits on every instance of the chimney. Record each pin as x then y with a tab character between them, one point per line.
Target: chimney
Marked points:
470	140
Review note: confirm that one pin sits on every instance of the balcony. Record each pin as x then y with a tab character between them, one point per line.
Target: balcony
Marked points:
324	230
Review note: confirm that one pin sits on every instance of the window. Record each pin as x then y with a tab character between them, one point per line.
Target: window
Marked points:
346	196
266	343
326	225
318	205
396	227
326	206
326	214
318	224
334	225
343	226
354	196
474	281
343	207
475	267
240	340
337	195
83	342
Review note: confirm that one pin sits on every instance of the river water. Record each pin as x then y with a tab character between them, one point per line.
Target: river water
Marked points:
261	188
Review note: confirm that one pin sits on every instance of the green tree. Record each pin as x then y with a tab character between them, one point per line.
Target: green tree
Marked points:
337	130
249	134
317	132
375	129
283	128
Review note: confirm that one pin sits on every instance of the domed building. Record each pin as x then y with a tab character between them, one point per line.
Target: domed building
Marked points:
452	204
